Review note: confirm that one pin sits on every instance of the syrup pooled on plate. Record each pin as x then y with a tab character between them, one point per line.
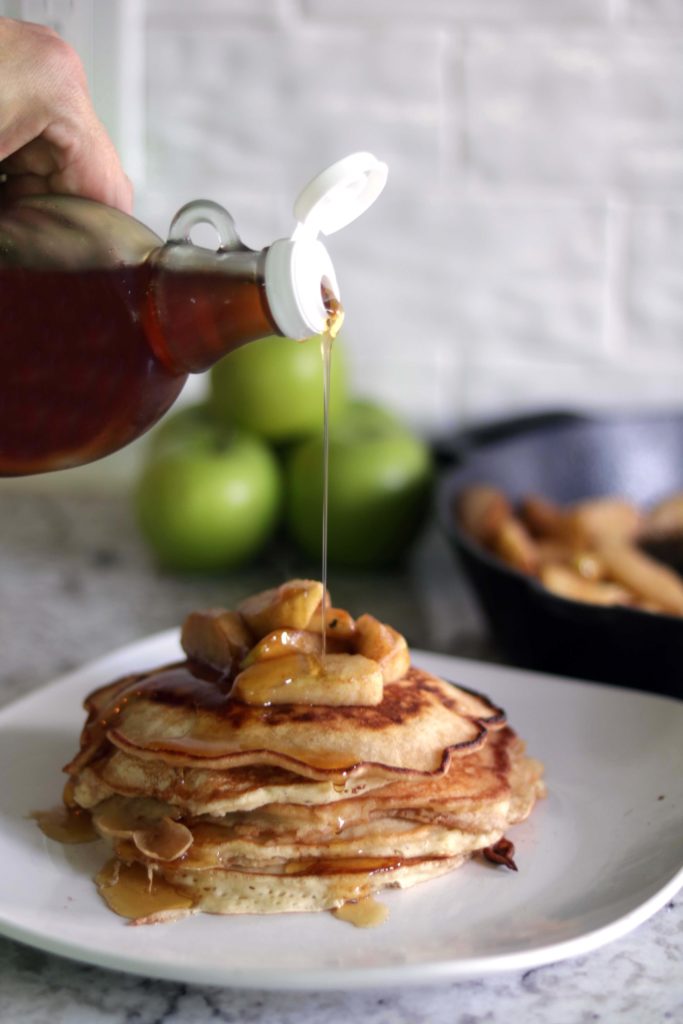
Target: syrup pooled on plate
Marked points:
133	892
69	825
365	913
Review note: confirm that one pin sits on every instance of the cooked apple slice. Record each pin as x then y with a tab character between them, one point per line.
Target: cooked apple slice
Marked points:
216	637
337	680
605	520
147	822
653	583
481	510
565	582
665	519
118	817
282	642
515	545
290	605
588	565
163	840
338	623
543	518
384	645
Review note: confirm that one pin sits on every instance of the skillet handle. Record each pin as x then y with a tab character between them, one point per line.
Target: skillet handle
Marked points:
454	450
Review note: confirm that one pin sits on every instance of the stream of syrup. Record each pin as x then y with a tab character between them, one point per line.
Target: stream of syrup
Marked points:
333	326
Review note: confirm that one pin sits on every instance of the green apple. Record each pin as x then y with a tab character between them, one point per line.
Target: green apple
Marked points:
380	483
192	425
208	498
274	387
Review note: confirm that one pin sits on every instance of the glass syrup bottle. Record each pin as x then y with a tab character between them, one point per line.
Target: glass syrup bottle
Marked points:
101	321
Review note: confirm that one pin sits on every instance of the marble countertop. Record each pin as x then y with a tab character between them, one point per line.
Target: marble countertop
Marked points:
75	582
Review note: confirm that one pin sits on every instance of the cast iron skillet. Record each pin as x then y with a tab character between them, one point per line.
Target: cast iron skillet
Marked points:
566	458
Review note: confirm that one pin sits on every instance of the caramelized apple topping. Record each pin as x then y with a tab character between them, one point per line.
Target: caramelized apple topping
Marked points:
282	642
338	624
290	605
164	840
289	645
384	645
147	823
335	680
216	637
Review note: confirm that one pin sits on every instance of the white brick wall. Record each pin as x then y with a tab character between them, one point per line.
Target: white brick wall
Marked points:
528	250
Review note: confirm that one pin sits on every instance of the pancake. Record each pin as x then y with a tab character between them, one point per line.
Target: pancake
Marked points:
244	863
303	886
262	774
204	791
184	715
222	846
456	796
382	824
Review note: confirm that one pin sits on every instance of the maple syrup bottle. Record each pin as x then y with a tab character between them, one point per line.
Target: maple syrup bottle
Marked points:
101	322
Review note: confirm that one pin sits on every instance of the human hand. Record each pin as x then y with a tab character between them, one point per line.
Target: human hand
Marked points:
51	140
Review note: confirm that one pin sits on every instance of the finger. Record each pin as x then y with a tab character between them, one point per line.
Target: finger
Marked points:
44	96
37	157
89	166
20	131
19	185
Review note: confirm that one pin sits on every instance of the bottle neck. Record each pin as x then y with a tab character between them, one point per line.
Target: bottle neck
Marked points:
202	304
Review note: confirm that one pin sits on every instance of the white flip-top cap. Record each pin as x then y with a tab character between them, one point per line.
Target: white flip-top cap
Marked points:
296	268
338	195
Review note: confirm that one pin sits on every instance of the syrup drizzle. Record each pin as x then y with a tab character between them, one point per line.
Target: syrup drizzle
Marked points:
335	320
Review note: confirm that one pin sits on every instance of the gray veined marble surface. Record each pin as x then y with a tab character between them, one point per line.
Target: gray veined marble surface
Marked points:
637	979
75	583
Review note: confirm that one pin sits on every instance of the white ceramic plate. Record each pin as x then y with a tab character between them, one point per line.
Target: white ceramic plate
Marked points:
596	858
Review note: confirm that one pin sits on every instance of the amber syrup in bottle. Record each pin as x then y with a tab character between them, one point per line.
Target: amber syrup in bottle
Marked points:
89	361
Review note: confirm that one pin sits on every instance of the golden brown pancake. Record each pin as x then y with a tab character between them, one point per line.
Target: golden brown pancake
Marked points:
300	886
184	715
206	791
456	796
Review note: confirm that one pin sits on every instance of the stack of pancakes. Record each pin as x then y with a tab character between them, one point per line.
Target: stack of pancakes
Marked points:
294	761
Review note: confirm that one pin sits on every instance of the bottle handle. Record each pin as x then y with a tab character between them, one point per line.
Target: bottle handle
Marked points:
204	211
